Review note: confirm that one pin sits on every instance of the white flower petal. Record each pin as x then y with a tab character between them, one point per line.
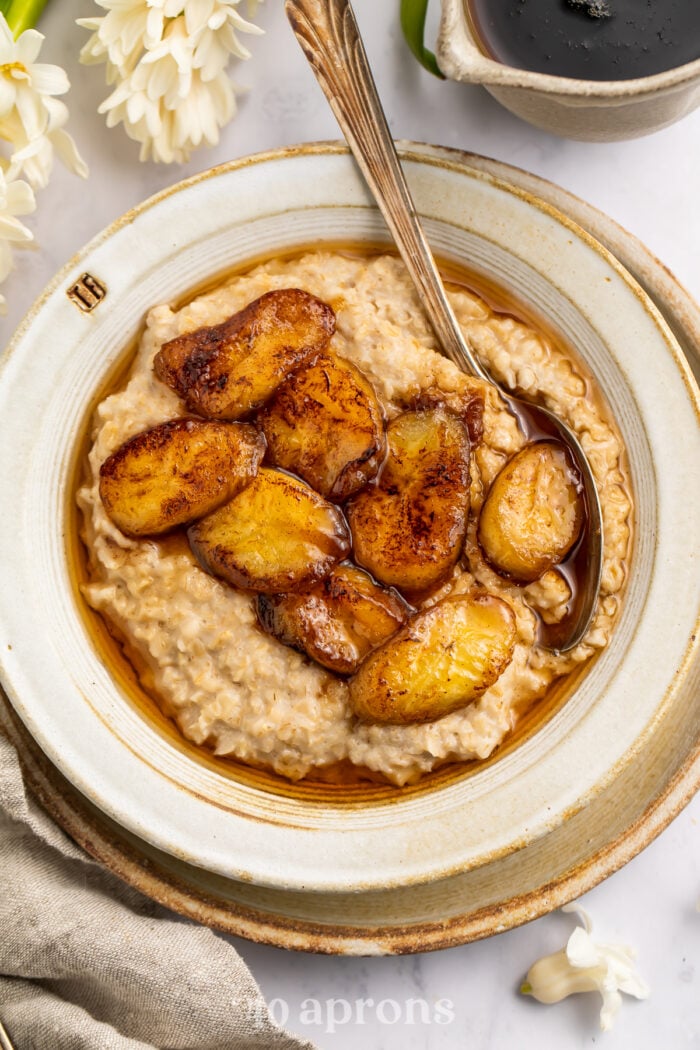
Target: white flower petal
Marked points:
28	47
12	229
49	80
19	198
216	20
574	908
153	123
197	13
243	25
7	42
162	80
612	1001
16	198
154	28
173	8
7	95
136	107
211	55
120	94
580	949
223	99
173	94
230	41
586	966
31	112
633	984
56	113
37	168
27	148
14	232
90	54
68	152
132	37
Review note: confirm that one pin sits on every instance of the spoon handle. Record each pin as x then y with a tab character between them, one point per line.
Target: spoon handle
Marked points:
329	37
5	1043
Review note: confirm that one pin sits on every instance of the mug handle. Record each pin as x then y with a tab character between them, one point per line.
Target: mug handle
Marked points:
413	14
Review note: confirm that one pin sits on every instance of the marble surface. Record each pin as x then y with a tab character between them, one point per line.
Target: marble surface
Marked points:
464	997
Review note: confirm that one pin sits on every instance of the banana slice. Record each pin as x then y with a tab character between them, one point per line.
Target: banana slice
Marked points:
408	530
228	370
326	425
533	513
443	659
339	621
277	535
176	472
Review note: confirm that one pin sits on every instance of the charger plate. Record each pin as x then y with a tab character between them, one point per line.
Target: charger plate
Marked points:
654	783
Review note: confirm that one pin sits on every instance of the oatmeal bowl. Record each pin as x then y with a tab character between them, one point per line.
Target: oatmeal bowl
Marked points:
279	602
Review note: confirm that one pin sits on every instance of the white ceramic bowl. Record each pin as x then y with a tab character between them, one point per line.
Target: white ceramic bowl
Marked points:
641	689
591	110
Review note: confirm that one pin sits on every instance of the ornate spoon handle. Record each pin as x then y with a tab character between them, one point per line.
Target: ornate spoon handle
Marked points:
329	37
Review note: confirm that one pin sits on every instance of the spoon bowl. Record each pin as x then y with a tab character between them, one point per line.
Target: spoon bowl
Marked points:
329	36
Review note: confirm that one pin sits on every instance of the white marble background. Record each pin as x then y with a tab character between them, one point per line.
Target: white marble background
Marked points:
650	186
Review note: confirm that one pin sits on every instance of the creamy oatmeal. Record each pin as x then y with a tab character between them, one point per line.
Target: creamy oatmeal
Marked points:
195	640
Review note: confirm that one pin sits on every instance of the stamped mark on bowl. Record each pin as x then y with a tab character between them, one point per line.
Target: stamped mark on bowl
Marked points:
87	293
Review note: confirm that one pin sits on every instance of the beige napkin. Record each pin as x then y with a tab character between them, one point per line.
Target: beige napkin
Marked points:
87	963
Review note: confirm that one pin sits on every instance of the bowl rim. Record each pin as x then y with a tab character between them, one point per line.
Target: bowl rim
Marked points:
180	890
460	58
314	148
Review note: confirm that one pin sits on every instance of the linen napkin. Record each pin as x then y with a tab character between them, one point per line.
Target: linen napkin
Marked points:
87	963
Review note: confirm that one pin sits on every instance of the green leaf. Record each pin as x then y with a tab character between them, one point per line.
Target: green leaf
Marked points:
413	14
22	14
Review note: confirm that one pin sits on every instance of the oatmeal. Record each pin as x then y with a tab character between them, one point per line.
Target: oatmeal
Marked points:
196	641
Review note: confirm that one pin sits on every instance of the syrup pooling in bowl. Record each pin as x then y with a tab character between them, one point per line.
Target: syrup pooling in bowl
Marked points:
588	39
377	313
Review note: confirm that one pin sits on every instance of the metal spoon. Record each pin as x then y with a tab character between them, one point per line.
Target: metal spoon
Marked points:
5	1042
330	39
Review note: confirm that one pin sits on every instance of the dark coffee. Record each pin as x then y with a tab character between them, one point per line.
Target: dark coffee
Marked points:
589	39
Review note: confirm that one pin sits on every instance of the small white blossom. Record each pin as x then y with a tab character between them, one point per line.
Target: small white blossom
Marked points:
168	60
586	966
31	117
16	198
117	38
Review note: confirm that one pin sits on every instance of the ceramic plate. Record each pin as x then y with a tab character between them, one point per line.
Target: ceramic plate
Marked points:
581	769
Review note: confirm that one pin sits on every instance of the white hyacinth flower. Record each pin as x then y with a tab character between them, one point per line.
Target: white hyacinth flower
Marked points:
16	198
168	62
586	966
31	117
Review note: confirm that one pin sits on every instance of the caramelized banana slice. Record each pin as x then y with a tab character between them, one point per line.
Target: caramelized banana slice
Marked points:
532	514
230	369
468	405
443	659
326	424
176	472
338	621
409	528
276	535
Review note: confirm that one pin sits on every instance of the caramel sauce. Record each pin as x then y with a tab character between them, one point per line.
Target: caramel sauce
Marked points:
588	39
341	782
